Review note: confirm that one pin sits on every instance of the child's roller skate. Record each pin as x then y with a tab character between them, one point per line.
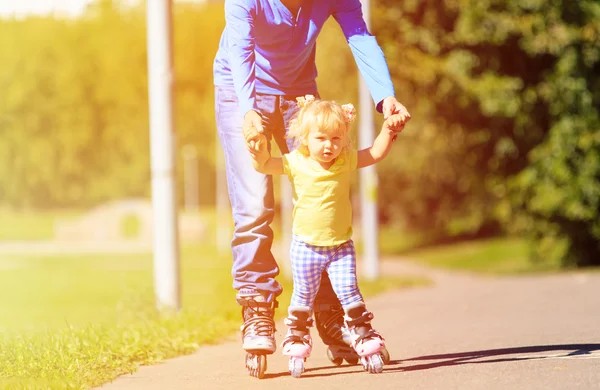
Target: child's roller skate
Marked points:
257	331
330	324
297	343
365	340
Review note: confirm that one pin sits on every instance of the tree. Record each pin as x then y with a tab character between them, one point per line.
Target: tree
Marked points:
494	84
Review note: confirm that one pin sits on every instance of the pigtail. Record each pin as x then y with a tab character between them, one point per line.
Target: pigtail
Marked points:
349	111
304	101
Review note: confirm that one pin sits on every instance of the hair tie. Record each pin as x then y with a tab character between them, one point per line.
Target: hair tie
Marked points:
350	112
303	101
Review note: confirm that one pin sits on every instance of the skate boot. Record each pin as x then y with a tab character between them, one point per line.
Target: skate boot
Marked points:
332	330
258	330
297	343
367	343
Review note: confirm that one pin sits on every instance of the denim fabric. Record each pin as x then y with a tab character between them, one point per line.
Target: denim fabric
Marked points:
251	192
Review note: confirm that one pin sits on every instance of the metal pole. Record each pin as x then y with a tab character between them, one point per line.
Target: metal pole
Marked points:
162	143
191	189
368	176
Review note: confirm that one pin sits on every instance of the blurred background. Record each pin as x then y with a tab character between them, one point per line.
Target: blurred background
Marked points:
498	171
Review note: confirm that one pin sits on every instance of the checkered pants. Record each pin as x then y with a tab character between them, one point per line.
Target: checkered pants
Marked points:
309	262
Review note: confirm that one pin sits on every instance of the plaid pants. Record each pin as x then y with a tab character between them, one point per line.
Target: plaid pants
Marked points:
309	262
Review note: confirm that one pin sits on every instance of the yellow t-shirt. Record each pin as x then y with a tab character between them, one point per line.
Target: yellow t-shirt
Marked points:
322	207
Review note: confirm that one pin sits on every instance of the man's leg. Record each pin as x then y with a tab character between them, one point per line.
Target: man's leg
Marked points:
251	195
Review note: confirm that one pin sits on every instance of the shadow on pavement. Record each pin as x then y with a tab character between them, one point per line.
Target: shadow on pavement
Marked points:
339	370
565	351
502	355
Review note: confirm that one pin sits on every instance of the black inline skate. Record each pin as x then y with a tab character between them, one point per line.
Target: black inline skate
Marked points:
332	329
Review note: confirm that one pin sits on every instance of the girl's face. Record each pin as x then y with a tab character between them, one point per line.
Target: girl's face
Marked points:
325	147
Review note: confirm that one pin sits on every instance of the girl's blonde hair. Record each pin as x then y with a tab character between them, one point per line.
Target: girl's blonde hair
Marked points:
324	115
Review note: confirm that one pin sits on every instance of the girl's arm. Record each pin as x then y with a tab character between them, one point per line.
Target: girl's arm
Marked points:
261	158
383	143
272	166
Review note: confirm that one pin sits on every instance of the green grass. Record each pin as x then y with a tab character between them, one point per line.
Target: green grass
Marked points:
75	322
392	241
489	256
27	226
500	255
79	321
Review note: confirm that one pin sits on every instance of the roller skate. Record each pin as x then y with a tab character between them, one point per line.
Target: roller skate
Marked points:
367	343
330	325
258	330
297	343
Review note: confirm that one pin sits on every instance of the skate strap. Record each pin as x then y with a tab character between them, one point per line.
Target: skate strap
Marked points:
262	325
365	318
292	338
295	323
371	334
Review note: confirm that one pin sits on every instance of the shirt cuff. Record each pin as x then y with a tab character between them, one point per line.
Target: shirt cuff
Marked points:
248	106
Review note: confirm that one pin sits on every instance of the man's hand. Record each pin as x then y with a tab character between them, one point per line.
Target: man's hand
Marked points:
252	120
392	106
257	144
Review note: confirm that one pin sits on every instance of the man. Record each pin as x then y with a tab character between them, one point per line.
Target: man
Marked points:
266	58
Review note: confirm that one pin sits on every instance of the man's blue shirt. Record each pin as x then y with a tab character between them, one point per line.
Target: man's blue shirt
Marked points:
265	49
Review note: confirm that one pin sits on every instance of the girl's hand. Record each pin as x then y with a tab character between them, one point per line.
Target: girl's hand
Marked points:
394	125
256	142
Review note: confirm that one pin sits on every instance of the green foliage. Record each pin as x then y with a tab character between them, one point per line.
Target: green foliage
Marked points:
129	226
498	89
74	107
556	199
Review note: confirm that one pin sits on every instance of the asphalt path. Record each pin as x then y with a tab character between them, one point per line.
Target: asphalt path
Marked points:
461	332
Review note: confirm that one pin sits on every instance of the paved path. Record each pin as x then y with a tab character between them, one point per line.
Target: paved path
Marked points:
463	332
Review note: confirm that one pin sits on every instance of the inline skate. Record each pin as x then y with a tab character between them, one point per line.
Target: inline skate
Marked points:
297	343
258	330
330	325
367	343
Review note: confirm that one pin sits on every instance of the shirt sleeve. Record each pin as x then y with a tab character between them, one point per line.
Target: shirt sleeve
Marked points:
353	159
239	18
287	168
366	51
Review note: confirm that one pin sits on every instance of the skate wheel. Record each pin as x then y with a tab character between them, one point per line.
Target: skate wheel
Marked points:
296	366
385	356
352	360
365	363
335	360
256	365
375	364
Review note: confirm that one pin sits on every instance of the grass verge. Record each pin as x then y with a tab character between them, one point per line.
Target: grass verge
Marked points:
29	226
500	256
